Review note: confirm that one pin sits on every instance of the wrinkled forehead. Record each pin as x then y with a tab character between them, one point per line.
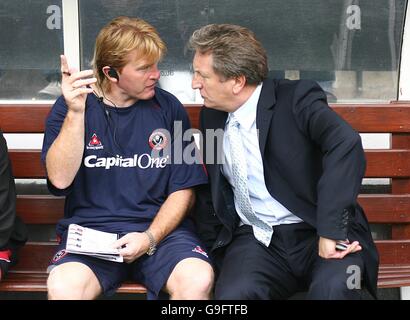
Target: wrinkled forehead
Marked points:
203	60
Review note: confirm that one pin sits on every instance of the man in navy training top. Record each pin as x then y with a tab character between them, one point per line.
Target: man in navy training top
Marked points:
98	146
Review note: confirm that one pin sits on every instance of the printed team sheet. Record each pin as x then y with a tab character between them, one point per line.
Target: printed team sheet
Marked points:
99	244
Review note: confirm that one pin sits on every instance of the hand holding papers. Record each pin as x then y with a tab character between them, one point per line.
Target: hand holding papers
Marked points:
87	241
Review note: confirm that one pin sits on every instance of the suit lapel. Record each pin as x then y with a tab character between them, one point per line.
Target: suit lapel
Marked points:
265	112
220	120
214	120
221	189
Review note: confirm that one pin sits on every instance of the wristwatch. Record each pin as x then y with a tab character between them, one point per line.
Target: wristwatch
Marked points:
152	243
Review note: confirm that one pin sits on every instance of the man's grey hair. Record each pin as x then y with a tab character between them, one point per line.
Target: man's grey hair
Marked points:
235	51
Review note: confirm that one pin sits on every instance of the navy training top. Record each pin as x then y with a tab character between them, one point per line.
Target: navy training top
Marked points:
121	183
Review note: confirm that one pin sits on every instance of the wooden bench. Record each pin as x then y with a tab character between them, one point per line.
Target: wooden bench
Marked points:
390	208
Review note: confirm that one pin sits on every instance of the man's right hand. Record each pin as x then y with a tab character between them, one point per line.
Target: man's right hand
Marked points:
74	86
68	148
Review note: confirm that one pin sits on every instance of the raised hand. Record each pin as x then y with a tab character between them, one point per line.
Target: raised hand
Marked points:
74	85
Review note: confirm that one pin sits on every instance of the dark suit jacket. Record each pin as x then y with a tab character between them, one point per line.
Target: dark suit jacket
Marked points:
313	165
12	229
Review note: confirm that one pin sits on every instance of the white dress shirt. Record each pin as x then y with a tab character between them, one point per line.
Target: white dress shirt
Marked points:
265	206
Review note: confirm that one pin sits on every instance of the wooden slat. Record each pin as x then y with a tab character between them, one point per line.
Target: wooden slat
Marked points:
40	209
394	268
30	273
393	283
396	274
35	282
400	141
27	163
31	118
23	118
393	117
380	163
387	163
193	112
131	287
379	208
386	208
35	257
400	186
24	282
400	231
368	118
394	251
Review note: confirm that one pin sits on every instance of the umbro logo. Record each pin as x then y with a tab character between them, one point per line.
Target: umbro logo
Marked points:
59	255
199	250
95	143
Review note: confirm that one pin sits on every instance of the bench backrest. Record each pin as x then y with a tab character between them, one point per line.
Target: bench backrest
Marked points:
391	208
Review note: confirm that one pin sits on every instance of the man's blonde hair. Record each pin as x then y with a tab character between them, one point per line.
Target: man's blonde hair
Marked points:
120	37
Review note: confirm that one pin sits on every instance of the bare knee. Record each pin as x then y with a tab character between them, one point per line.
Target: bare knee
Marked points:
191	279
59	287
72	281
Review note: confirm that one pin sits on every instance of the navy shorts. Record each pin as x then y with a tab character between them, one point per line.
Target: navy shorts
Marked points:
152	271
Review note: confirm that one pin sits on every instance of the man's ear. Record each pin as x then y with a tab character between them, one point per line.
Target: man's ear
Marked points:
239	84
110	73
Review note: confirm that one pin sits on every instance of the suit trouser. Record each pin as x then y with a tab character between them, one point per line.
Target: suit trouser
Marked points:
290	264
8	257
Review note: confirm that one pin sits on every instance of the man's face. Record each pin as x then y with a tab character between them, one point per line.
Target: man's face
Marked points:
138	78
216	92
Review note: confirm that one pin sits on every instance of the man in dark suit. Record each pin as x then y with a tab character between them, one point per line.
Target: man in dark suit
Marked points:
281	213
13	232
